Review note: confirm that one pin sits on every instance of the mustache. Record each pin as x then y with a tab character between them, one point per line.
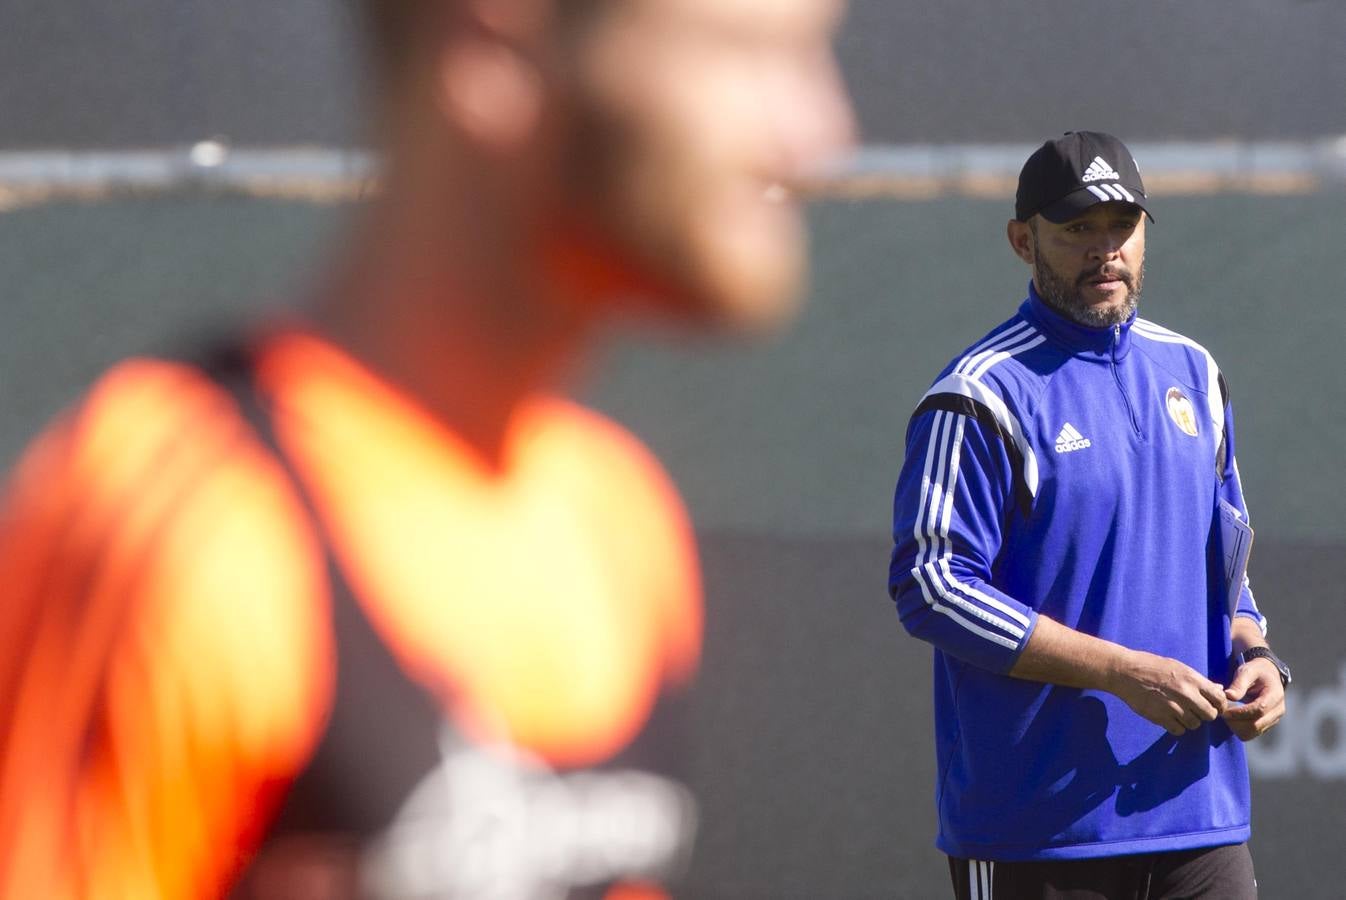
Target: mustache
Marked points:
1121	273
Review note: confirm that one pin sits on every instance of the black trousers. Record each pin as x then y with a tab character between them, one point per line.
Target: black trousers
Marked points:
1211	873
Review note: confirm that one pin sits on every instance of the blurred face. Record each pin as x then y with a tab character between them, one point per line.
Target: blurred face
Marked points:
695	119
1090	269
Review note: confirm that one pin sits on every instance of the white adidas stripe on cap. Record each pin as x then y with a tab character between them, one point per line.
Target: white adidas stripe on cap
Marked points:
1106	192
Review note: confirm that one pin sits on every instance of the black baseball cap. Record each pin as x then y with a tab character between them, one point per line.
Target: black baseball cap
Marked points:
1066	176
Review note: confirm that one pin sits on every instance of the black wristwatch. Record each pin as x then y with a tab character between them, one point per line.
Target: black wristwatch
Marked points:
1265	653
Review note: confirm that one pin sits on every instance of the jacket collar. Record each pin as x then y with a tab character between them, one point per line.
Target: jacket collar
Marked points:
1103	344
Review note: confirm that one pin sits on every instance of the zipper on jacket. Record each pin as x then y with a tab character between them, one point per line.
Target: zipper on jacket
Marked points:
1117	377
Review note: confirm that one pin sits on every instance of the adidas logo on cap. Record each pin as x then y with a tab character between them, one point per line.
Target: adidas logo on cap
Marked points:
1071	440
1099	170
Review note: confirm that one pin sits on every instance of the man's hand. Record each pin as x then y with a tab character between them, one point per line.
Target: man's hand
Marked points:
1258	684
1167	692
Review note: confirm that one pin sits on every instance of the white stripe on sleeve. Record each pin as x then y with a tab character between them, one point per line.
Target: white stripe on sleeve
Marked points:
932	565
946	545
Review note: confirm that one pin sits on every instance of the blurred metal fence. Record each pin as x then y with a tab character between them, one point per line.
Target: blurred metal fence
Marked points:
910	172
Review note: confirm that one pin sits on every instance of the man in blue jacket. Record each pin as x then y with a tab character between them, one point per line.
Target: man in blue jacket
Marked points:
1060	529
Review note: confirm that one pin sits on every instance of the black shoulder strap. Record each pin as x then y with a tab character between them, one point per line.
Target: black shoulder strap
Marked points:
966	406
1222	450
383	730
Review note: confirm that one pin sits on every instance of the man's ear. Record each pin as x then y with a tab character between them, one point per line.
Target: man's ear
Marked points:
1021	240
489	91
488	86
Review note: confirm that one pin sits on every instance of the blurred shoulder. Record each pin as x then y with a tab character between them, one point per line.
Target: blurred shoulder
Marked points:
165	619
630	504
608	459
151	494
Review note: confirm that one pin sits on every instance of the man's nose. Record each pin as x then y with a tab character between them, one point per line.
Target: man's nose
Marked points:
1108	246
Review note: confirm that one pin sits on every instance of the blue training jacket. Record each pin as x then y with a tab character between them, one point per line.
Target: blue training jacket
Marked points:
1073	472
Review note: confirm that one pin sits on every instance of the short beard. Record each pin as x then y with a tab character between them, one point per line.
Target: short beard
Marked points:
1068	299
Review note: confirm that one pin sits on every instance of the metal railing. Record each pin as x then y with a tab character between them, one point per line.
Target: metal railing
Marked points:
328	174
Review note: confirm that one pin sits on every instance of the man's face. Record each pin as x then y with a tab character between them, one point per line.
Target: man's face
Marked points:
696	118
1091	268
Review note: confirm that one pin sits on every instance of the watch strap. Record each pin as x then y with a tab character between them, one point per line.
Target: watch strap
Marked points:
1265	653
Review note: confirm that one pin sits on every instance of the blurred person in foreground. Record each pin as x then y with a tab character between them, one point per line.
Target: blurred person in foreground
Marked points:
1057	537
360	606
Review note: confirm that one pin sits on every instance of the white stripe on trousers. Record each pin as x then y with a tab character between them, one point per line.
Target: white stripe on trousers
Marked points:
981	879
